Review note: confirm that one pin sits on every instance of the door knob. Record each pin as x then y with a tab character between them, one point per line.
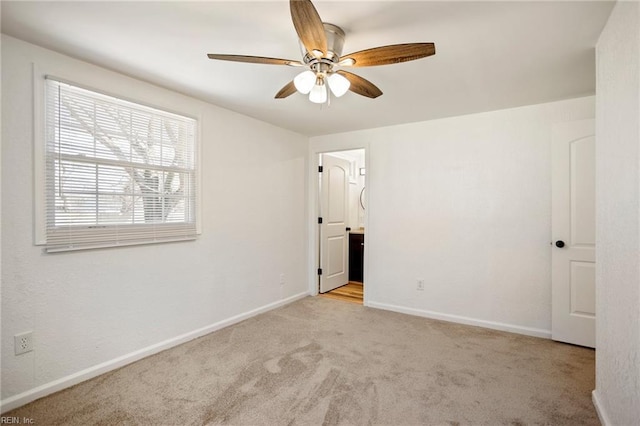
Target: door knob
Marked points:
559	243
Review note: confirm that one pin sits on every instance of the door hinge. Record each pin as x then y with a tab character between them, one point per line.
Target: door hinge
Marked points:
320	169
319	221
348	228
319	271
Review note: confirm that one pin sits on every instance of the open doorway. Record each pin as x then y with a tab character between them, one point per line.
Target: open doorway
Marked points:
341	231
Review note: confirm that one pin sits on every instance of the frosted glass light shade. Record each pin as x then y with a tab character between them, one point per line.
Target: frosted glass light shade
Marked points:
304	81
338	85
318	94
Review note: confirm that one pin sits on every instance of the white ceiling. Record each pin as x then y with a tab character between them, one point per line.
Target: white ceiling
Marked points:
489	55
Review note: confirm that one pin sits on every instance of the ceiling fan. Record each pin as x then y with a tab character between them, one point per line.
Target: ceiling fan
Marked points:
321	45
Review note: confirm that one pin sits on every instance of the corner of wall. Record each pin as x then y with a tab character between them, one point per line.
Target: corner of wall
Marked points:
617	394
602	414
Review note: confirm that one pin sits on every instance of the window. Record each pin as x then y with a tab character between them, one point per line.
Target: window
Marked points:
117	173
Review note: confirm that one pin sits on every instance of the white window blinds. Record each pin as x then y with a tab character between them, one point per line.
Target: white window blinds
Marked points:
117	173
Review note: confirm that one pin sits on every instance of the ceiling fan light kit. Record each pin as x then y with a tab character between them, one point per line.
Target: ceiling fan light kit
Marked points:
338	84
321	45
318	94
321	74
305	81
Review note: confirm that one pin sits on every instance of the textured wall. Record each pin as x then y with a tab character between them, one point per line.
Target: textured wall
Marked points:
618	217
465	204
91	307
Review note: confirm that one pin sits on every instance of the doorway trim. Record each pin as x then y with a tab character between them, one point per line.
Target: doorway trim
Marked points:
313	161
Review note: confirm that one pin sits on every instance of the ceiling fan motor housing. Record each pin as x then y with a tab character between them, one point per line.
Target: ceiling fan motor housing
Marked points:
335	42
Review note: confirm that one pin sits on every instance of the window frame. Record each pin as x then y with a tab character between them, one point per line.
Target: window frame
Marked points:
40	156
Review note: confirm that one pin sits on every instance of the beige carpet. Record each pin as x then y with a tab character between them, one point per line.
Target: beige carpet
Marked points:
320	361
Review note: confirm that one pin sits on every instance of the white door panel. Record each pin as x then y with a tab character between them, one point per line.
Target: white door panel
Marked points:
573	223
583	291
334	210
335	264
337	193
583	177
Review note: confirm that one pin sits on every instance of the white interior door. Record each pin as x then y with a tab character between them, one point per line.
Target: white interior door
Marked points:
334	210
573	231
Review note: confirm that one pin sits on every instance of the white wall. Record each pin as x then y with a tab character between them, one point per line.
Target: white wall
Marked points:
465	204
91	310
617	393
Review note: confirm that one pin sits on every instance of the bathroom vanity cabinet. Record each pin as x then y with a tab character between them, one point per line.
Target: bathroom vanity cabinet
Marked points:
356	256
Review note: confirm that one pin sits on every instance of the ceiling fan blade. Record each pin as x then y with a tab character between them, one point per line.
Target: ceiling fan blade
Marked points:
255	60
392	54
308	26
360	85
287	90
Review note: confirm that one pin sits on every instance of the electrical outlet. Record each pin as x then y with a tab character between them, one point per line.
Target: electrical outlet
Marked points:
420	285
23	342
281	279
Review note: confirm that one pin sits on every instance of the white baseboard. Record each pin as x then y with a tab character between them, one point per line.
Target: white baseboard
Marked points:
602	414
529	331
91	372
